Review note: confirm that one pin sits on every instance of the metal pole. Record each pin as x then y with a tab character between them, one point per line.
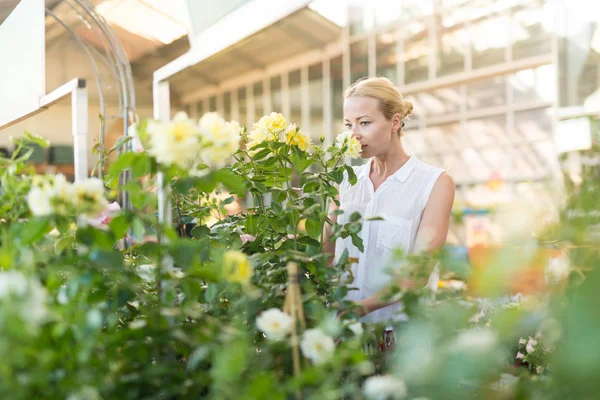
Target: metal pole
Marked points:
79	116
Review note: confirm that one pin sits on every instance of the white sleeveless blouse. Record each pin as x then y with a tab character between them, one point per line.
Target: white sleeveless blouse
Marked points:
400	201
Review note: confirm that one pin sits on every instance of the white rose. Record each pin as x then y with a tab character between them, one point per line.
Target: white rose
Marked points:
478	340
346	139
274	323
31	295
38	201
356	327
520	356
317	346
522	341
175	143
384	387
529	348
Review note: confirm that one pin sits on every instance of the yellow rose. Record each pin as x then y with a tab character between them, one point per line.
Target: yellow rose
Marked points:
236	267
294	137
274	122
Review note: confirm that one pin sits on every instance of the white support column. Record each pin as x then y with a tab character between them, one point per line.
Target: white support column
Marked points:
346	51
327	103
220	106
162	112
372	55
285	94
400	73
194	110
79	117
235	106
267	106
469	49
250	112
161	96
304	101
433	45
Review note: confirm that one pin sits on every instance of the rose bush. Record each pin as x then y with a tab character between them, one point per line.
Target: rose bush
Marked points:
132	308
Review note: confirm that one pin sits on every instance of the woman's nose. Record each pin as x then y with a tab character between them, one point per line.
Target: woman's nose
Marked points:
355	133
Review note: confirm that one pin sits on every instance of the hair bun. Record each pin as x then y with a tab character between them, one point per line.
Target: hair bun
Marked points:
407	108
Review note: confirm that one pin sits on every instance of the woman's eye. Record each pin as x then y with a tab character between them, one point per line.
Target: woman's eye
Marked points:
365	123
348	126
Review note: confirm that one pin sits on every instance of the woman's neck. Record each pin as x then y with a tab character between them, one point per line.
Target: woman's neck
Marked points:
387	164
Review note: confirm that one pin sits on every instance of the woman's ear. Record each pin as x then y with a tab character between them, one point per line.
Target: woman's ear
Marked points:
396	122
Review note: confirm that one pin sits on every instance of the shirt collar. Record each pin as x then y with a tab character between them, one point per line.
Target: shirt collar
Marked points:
402	174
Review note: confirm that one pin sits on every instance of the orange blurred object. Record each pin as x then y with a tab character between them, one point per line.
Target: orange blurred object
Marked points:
527	279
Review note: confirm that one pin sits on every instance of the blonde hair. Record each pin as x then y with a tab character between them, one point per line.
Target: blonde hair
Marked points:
388	97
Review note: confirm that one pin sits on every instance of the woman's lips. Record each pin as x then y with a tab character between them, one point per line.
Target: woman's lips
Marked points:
362	146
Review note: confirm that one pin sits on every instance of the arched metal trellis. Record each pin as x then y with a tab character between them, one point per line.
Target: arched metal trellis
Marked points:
109	64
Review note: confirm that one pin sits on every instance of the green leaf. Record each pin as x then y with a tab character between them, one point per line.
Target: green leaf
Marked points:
338	175
33	230
300	160
234	183
40	141
95	238
121	141
107	259
184	252
206	183
261	154
251	225
119	225
313	228
200	231
351	174
357	241
310	187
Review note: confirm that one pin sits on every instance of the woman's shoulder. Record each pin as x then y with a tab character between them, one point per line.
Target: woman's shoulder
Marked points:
427	168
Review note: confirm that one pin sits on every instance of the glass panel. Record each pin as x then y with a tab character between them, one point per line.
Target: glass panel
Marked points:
487	44
534	84
386	11
212	104
443	138
527	162
485	94
259	109
441	101
418	111
385	49
476	165
490	131
452	162
531	29
337	96
579	59
315	95
227	106
498	160
412	9
453	43
533	125
416	53
243	111
359	64
200	108
276	98
295	97
358	17
413	141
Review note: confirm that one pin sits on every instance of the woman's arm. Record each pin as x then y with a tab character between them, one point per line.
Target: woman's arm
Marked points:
431	236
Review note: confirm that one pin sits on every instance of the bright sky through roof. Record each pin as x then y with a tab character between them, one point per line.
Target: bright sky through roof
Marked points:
160	20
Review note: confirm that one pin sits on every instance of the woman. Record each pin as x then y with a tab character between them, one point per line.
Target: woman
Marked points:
413	198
